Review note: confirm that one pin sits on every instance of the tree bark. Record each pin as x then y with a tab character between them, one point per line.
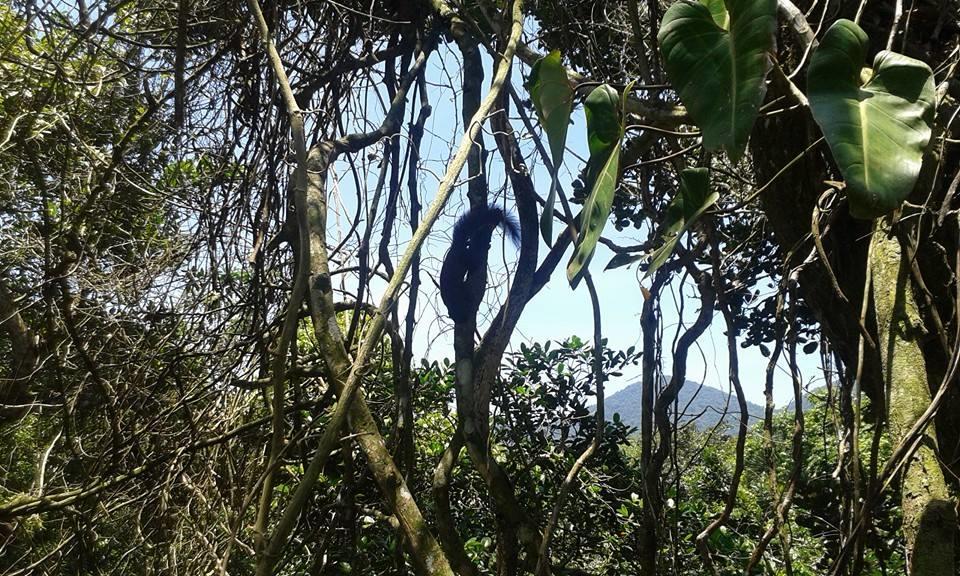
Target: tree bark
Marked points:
929	520
23	360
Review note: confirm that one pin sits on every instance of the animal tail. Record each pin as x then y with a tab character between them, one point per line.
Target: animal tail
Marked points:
482	220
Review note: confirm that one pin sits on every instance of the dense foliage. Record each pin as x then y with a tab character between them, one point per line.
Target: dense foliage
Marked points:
222	225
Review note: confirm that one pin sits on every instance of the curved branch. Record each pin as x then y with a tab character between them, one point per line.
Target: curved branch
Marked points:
734	375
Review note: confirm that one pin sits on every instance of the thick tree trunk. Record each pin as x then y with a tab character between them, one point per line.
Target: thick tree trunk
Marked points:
425	553
929	520
911	365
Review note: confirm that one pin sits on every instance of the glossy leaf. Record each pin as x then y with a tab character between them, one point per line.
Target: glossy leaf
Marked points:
604	131
876	131
552	98
718	71
693	198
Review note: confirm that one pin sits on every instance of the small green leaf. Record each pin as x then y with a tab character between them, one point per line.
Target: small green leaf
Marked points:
690	202
623	259
717	58
604	131
552	98
877	132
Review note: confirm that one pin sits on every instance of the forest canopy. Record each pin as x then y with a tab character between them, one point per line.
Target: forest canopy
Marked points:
265	268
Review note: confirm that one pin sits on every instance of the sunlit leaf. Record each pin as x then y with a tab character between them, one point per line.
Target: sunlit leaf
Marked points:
552	98
877	131
604	130
717	58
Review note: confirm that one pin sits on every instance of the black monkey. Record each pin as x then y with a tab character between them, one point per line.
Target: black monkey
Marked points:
467	258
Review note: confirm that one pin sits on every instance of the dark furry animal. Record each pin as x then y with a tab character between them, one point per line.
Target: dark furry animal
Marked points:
467	258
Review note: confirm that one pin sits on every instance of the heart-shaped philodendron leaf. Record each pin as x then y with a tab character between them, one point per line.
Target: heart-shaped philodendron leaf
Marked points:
690	202
604	132
717	57
877	131
552	98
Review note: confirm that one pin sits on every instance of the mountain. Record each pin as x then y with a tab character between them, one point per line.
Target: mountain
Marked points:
703	405
818	393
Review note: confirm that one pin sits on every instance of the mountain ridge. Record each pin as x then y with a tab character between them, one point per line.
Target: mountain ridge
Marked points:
703	405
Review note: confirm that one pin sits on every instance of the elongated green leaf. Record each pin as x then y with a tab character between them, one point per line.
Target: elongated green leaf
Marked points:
690	202
878	131
719	71
604	131
552	98
603	128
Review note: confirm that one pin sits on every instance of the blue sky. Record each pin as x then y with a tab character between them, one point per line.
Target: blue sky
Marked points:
557	312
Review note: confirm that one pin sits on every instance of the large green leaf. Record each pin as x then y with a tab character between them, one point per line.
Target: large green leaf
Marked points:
717	60
552	98
604	131
877	131
693	198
